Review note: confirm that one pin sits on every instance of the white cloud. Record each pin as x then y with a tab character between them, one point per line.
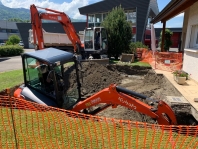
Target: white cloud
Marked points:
71	8
170	24
180	15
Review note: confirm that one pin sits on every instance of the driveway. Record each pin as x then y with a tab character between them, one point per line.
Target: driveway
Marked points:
12	63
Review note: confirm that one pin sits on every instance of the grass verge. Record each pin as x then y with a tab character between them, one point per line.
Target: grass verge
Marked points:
10	79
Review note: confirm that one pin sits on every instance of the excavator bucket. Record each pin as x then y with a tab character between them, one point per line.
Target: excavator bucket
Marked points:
127	58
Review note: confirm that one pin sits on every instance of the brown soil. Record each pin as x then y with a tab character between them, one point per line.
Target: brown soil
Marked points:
139	79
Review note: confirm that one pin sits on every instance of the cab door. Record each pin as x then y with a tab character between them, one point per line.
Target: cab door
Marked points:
104	42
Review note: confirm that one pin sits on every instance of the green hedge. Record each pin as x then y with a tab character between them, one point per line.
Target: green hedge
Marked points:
11	50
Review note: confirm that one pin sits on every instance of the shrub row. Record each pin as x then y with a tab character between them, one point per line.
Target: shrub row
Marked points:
11	50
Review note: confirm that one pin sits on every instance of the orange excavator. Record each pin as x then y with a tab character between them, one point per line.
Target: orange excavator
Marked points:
95	38
45	74
61	17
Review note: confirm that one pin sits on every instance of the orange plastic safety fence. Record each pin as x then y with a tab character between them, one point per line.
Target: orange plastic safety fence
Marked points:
167	61
28	125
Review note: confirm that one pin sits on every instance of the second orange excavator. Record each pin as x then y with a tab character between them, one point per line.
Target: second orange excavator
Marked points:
94	40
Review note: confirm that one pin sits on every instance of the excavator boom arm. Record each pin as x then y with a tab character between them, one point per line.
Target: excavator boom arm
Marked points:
60	17
164	115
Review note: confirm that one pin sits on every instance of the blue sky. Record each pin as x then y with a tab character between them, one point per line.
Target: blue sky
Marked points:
70	7
174	22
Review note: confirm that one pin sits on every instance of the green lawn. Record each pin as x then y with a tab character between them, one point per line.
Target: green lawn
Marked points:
10	79
135	63
53	129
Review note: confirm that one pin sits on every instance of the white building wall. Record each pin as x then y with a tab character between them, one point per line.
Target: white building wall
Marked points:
190	61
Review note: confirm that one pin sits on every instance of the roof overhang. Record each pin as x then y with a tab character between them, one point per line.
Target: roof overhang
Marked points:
107	5
173	8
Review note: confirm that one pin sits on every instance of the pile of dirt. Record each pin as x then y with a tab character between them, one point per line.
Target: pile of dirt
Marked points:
95	77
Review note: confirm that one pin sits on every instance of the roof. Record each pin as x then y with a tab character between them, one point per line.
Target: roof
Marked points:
51	55
108	5
173	8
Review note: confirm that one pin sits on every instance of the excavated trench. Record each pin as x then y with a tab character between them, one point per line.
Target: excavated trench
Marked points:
143	80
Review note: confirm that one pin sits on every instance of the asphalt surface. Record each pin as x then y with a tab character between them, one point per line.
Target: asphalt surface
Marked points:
12	63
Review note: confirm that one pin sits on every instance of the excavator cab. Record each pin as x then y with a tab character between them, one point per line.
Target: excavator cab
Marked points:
44	78
95	41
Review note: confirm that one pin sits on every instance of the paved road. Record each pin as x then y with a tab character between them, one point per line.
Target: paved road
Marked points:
11	63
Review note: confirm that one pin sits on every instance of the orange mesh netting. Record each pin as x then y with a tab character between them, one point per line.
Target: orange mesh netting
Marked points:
28	125
167	61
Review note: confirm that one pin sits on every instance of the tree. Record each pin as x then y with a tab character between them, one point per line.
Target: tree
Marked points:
167	39
18	20
119	32
13	39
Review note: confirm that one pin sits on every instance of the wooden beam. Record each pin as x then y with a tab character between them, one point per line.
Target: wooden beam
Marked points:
163	36
179	9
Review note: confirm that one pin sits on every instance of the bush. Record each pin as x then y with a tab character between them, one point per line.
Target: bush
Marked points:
167	39
13	39
134	45
11	50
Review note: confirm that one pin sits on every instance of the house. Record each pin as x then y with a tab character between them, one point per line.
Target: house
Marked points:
189	38
138	12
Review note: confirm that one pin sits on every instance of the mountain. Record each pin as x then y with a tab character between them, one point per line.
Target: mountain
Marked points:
7	13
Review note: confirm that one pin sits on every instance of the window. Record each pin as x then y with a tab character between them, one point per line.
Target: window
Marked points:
104	39
148	36
131	17
88	39
8	30
194	37
148	23
36	75
2	30
14	31
134	38
98	18
91	18
97	24
91	25
95	19
104	15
